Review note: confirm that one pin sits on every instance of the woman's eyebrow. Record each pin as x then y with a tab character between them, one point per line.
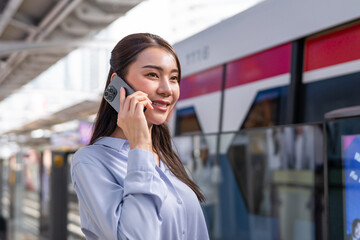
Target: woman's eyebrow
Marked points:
159	68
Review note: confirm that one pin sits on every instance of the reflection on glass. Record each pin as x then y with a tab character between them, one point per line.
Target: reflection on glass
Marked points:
198	154
263	184
276	170
207	175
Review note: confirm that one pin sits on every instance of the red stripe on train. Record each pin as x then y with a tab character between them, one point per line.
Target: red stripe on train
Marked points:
266	64
333	48
201	83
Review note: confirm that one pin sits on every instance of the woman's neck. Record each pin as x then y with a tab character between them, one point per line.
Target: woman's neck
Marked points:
118	133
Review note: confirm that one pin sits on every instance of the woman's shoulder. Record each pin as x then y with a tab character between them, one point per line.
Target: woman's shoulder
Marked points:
90	154
101	156
100	160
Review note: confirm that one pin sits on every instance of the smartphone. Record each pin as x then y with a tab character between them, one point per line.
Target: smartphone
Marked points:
112	92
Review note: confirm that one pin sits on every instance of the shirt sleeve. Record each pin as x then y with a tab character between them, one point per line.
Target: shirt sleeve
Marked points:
113	211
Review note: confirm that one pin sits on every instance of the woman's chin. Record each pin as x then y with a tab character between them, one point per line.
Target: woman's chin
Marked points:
158	123
155	121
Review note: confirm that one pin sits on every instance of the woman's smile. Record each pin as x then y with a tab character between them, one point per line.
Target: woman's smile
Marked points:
161	105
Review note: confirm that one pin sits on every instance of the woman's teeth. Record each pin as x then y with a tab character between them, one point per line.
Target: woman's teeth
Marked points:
160	105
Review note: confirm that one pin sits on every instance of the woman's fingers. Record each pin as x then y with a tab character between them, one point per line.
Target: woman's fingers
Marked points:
134	99
129	105
139	108
146	102
149	104
122	99
132	120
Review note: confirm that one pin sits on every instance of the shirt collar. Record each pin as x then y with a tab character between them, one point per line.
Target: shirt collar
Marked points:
115	143
119	144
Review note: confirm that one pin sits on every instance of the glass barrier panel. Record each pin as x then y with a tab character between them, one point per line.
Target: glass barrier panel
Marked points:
343	181
73	214
278	173
31	195
262	184
198	154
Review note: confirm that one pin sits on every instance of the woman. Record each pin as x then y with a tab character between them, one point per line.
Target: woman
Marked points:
129	181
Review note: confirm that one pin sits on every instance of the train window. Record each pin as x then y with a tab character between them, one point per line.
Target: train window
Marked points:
268	108
331	72
324	96
187	121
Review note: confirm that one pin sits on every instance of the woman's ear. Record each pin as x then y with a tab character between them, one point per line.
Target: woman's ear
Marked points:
112	76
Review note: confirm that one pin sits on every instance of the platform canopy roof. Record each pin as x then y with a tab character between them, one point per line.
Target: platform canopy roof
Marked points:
35	34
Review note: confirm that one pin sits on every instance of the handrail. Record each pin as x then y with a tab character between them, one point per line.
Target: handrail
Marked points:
343	113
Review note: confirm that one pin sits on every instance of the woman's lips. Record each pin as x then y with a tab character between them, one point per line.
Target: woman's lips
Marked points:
161	105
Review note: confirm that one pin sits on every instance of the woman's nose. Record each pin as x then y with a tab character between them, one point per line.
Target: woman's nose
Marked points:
164	87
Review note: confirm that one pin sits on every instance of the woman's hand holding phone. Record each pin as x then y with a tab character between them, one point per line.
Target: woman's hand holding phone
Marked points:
131	119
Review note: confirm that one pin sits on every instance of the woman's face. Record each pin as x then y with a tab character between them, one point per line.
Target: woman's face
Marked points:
155	73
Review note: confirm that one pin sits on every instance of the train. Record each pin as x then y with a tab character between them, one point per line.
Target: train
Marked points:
255	122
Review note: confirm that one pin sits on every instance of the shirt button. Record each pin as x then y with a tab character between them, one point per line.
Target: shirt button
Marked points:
179	201
183	232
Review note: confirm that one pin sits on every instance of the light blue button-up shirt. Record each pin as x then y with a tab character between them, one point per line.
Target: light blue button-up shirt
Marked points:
123	194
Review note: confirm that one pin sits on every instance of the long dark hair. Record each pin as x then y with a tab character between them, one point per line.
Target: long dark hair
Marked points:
125	53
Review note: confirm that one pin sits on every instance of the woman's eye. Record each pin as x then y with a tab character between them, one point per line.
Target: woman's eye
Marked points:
152	75
174	78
